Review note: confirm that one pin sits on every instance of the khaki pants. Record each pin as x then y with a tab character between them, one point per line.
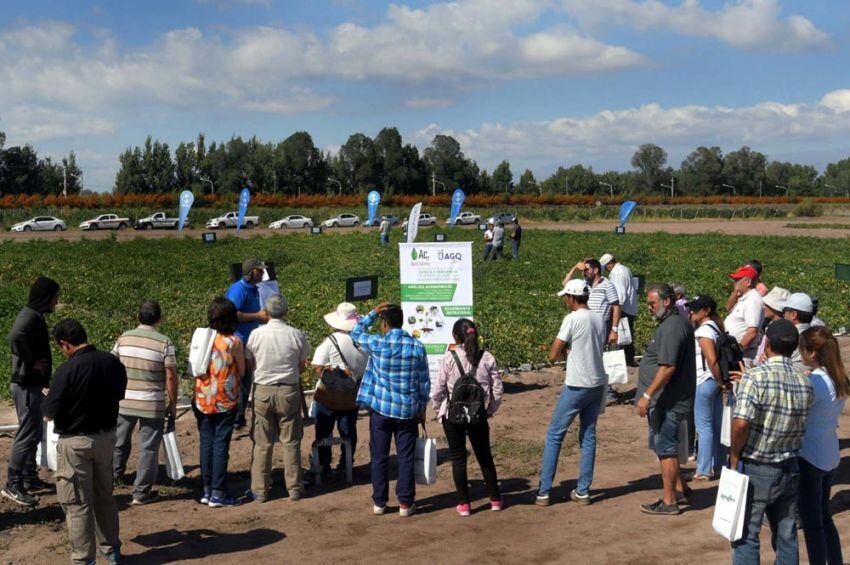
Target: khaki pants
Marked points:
84	489
277	414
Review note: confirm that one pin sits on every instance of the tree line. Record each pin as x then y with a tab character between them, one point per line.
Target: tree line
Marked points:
296	166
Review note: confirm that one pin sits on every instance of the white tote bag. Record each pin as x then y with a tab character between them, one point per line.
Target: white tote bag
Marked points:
425	466
682	454
200	351
615	366
730	509
45	453
726	427
173	460
624	334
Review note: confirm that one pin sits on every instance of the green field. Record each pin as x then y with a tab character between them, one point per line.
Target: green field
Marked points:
104	281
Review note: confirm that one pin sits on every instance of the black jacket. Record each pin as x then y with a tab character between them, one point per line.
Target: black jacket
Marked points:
29	338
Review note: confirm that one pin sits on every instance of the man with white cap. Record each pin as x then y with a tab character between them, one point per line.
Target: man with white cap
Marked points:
773	302
626	287
338	351
747	315
583	334
799	310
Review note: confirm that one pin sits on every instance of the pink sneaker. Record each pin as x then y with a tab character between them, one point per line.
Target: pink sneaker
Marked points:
495	505
463	509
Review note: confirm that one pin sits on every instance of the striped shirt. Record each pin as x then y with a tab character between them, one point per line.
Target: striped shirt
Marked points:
146	354
602	297
775	399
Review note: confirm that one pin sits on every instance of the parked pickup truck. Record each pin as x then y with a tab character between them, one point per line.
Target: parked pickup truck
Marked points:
157	221
106	222
465	219
229	221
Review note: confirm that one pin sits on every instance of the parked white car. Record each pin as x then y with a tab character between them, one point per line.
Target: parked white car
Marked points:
157	221
427	220
106	222
466	219
294	221
342	221
40	223
229	221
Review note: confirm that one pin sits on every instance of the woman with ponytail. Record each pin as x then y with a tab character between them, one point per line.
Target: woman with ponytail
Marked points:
464	357
819	453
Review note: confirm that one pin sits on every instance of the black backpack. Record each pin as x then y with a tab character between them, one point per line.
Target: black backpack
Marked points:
466	406
729	354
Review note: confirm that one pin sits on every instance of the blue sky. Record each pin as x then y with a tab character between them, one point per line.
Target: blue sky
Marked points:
541	83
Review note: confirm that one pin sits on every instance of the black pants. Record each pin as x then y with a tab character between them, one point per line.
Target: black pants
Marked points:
630	348
479	437
22	464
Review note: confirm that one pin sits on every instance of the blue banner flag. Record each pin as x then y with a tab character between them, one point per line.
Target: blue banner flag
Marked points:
244	199
372	201
626	210
457	202
186	201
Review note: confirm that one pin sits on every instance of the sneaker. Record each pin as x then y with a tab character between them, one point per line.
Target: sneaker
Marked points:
542	500
114	557
222	501
580	498
463	509
658	507
36	484
19	495
205	499
147	498
379	510
250	495
406	510
495	505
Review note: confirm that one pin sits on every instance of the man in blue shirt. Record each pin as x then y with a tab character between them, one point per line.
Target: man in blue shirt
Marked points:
246	297
395	390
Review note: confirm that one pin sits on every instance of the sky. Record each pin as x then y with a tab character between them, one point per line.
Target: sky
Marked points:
541	83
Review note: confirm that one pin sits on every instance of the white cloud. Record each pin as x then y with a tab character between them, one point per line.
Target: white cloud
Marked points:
753	25
27	123
428	103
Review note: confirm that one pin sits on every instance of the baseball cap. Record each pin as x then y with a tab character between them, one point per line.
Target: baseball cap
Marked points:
575	287
605	259
782	329
799	301
776	298
249	264
745	271
701	301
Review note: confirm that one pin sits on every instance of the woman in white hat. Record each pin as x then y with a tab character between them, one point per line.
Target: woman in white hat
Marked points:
338	351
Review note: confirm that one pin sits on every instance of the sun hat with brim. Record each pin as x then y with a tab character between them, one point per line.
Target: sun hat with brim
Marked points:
745	271
344	318
575	287
605	259
701	301
776	298
799	301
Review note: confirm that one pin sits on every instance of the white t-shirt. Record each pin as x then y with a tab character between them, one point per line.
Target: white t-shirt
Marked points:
710	331
621	277
747	313
585	331
326	354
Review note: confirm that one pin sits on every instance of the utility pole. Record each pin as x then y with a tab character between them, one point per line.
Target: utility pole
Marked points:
671	185
64	181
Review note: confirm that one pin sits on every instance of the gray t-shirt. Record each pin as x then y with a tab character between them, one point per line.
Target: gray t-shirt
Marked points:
671	344
584	330
498	236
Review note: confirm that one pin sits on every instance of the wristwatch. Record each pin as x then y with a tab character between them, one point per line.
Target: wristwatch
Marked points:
646	396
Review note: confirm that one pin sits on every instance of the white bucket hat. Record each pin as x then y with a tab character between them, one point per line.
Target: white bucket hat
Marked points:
344	318
776	298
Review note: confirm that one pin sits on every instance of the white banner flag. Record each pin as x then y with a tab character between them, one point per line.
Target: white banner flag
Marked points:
413	222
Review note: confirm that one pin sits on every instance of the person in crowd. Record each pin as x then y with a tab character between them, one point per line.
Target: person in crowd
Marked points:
768	424
83	404
516	239
280	355
708	403
756	265
816	321
627	291
385	231
819	453
665	392
395	390
498	241
747	315
681	299
245	295
773	302
337	350
488	241
148	357
603	299
468	356
215	402
583	331
798	310
32	364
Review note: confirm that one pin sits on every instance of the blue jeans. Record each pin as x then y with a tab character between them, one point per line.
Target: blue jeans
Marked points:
708	416
574	401
515	249
215	431
385	238
822	541
346	424
382	430
773	491
664	432
488	248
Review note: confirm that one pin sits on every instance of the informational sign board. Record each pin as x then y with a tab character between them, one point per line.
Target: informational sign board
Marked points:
316	230
436	291
208	237
440	237
620	230
842	272
361	288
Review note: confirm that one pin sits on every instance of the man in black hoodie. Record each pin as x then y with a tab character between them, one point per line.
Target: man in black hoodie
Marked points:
32	364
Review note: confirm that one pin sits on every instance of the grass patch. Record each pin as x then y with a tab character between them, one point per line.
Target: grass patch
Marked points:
811	226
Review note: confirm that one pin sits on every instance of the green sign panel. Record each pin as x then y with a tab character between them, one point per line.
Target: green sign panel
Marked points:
457	311
842	272
428	292
435	348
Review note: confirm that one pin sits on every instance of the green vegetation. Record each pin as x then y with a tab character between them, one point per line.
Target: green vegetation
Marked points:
811	226
104	281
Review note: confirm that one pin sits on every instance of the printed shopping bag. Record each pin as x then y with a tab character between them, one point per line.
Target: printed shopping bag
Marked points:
726	427
425	466
45	453
200	351
624	334
730	509
615	366
173	460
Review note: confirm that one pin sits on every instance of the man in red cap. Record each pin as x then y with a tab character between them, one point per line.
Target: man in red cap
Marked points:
747	316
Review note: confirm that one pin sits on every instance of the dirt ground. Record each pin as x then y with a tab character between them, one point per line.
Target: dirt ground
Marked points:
334	523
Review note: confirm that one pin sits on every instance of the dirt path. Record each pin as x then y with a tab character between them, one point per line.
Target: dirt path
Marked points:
335	523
